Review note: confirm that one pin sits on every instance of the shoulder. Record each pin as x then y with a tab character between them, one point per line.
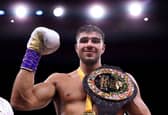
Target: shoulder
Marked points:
60	76
73	73
56	76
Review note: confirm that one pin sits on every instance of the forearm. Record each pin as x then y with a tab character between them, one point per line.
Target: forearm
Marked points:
137	107
24	81
22	88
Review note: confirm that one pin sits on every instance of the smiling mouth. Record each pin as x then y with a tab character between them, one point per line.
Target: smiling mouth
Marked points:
89	52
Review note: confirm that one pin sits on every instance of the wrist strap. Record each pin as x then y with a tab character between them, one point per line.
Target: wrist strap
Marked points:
30	60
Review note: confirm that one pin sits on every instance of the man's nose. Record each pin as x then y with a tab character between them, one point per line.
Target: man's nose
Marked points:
89	42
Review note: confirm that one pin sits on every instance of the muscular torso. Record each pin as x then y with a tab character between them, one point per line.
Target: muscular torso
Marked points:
70	96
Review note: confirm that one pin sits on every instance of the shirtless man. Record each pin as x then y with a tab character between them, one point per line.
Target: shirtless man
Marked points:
65	89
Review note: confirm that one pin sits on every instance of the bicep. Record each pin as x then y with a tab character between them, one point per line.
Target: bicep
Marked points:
29	96
44	92
39	96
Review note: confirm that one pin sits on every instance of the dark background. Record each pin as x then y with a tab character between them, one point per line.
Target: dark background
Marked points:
138	47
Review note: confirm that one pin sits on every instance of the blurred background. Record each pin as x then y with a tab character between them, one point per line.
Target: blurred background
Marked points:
134	32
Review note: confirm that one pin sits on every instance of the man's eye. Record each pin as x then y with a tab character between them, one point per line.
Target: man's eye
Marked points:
83	40
95	40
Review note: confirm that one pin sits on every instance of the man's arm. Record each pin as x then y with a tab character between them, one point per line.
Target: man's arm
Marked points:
28	96
25	94
137	105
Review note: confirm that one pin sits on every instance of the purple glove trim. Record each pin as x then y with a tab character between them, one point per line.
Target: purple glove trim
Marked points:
31	60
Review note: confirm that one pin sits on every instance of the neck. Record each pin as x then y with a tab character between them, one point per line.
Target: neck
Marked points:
89	68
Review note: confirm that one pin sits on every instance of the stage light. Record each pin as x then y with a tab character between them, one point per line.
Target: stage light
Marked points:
58	11
135	9
12	20
2	12
21	11
96	11
39	12
146	19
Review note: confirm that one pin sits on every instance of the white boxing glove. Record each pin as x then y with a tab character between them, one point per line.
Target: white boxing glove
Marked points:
44	40
5	107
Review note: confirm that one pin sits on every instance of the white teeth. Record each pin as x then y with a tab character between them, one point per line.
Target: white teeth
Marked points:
88	51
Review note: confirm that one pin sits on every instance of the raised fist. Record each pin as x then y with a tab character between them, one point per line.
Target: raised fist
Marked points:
44	41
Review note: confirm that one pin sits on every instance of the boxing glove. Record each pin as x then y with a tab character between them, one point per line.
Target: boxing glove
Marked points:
43	41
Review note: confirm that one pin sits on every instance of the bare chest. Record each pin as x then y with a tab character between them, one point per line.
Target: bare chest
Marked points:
71	89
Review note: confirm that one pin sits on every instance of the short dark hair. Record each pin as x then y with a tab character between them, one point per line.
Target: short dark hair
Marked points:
88	29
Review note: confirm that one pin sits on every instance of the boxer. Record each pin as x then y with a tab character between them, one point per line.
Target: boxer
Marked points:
66	89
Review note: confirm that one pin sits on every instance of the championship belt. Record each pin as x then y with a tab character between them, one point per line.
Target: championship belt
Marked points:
110	89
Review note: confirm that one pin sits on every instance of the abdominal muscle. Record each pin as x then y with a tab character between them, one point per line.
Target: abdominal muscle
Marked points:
77	108
74	108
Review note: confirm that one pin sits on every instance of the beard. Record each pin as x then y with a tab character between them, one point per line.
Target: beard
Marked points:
89	62
87	58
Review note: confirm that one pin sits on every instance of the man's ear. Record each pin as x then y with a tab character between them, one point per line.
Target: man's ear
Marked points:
103	48
75	46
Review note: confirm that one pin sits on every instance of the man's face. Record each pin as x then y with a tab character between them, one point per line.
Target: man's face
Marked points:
89	47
